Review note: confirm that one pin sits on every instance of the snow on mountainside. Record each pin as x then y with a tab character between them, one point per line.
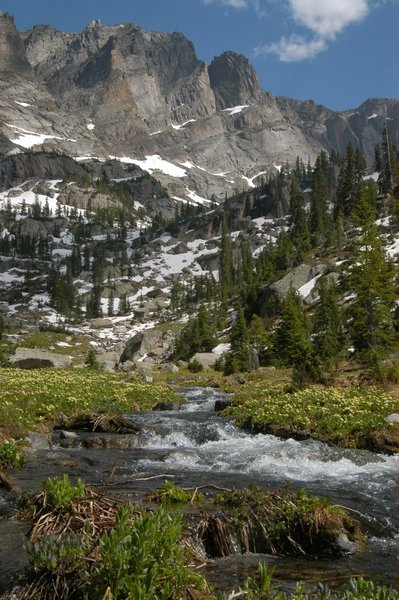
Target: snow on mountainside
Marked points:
124	92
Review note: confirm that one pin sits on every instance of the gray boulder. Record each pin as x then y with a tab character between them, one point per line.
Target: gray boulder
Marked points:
30	358
140	344
393	418
101	323
206	359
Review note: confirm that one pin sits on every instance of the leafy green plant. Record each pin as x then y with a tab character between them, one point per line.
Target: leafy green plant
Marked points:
170	493
262	587
11	456
194	366
343	415
32	397
142	558
60	491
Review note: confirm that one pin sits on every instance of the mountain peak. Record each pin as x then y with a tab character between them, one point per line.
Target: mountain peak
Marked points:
12	52
233	80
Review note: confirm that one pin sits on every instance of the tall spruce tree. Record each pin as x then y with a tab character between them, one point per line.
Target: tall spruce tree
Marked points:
318	203
226	269
328	337
298	232
292	345
372	281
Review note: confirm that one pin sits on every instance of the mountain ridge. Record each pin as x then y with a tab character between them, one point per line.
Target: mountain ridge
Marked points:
122	91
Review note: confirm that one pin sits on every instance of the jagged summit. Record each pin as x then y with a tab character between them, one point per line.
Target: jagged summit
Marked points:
13	57
118	90
233	80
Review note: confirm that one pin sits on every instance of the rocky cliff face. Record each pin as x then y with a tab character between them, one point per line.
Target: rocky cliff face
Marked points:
119	90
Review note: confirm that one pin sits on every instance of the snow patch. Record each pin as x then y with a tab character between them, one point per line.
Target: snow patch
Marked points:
182	125
235	109
306	289
90	126
25	104
152	163
373	116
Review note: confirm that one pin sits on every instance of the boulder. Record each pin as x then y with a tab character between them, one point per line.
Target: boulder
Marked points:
393	418
31	358
141	344
170	368
296	278
180	248
108	360
101	323
206	359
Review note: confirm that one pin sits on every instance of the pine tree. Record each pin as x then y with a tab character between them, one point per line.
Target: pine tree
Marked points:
258	337
328	337
226	270
299	232
292	345
350	177
318	203
372	280
238	357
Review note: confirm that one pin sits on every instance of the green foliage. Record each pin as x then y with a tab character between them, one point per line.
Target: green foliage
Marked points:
139	557
194	366
328	337
345	416
51	557
263	588
30	397
282	522
238	357
292	344
195	337
91	359
372	281
60	491
142	558
11	456
170	493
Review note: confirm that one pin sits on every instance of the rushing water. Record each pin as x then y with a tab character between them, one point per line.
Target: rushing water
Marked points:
194	446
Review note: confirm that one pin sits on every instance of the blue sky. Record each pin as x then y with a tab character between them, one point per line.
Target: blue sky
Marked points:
335	52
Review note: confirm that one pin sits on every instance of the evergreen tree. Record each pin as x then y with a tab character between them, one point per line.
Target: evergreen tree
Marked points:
259	338
389	172
292	345
226	269
328	337
318	203
350	177
299	232
372	280
238	357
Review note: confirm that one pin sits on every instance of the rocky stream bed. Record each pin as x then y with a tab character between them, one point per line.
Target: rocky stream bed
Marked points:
196	448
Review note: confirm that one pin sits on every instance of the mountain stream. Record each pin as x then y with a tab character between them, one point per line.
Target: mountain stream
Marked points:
194	446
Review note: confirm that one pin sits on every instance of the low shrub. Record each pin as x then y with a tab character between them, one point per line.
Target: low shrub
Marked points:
11	455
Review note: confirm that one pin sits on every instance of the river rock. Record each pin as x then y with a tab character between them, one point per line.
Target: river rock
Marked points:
393	418
31	358
221	404
115	441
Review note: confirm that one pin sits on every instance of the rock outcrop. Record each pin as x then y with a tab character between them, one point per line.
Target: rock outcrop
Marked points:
117	90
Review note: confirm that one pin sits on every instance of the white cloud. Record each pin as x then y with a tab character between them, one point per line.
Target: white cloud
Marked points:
232	3
293	48
323	19
327	19
257	5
